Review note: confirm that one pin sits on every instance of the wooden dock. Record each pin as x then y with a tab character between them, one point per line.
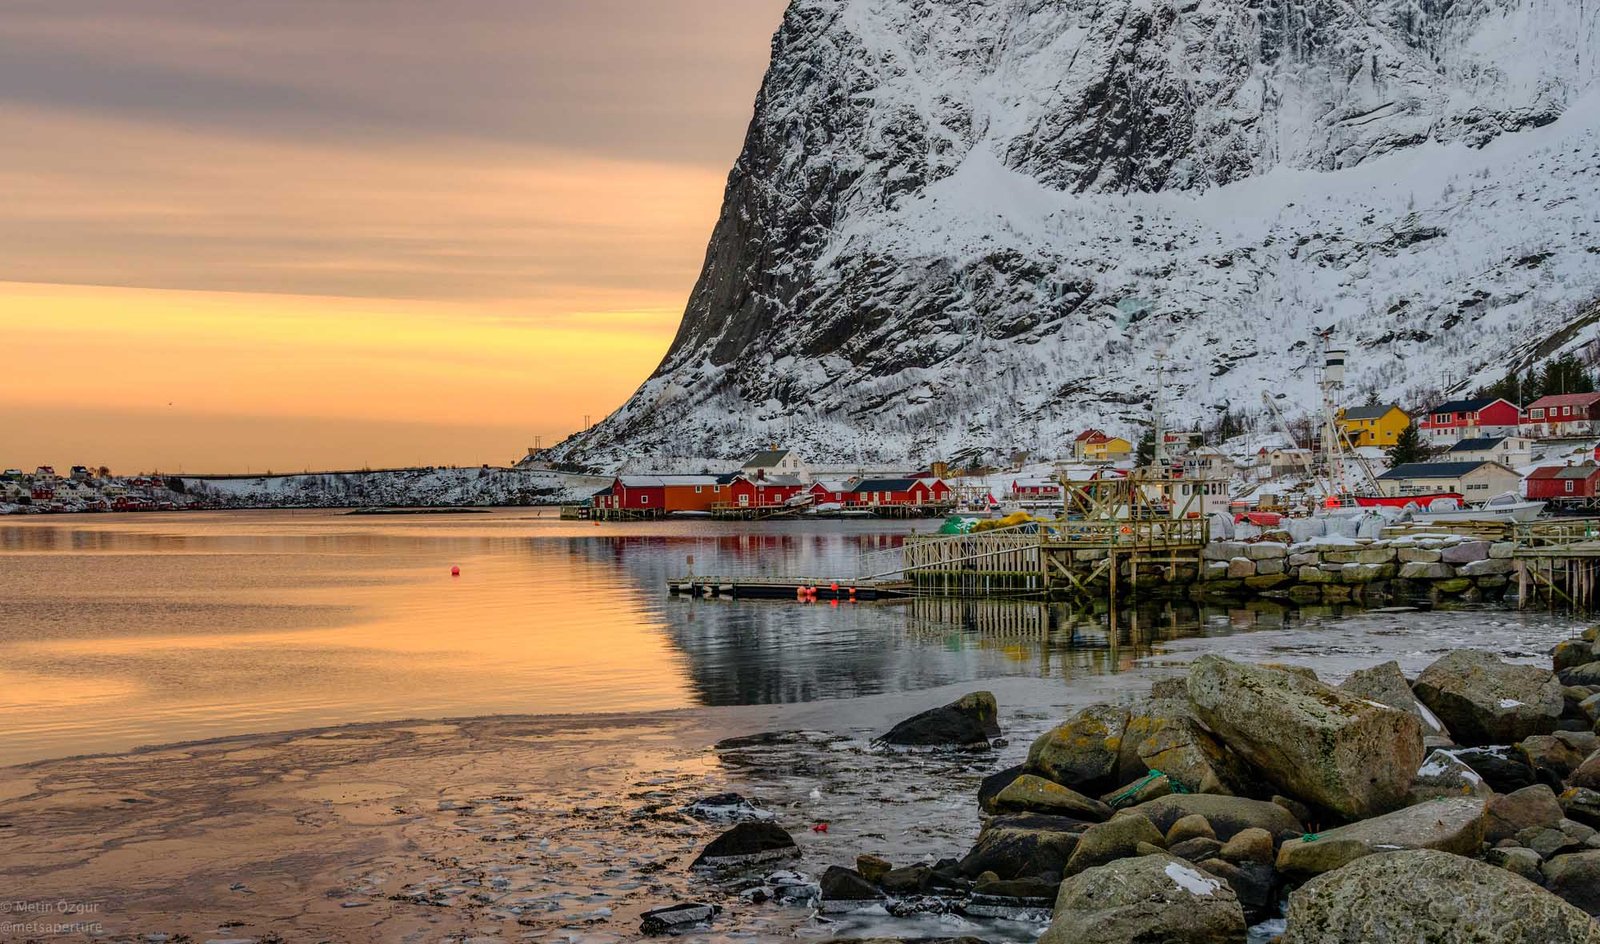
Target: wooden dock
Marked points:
1063	558
788	588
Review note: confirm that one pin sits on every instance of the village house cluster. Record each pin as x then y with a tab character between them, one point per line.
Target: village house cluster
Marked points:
770	483
83	489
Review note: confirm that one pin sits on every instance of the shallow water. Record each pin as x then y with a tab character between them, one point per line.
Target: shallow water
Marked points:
125	630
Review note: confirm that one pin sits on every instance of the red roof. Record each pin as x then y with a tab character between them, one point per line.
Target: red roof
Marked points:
1564	471
1566	399
1092	435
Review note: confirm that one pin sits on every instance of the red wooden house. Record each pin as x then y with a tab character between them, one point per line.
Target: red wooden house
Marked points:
747	492
1455	420
834	493
1565	485
1563	414
902	492
661	494
1035	488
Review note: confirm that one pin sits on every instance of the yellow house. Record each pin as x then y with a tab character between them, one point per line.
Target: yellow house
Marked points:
1373	425
1095	446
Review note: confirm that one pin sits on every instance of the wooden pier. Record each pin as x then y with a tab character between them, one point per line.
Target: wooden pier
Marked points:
788	588
1558	562
1058	558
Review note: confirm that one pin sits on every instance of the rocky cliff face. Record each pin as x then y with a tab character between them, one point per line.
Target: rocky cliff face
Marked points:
967	224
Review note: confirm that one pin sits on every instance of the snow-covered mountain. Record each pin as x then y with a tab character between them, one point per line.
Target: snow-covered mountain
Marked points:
968	224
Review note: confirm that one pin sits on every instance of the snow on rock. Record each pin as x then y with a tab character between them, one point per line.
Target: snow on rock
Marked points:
966	225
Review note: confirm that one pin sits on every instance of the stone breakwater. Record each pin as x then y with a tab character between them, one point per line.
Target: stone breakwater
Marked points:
1257	802
1360	570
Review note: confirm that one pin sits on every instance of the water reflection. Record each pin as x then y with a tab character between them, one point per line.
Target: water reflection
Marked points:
126	630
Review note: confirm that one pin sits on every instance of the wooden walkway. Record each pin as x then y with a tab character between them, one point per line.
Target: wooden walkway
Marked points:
788	588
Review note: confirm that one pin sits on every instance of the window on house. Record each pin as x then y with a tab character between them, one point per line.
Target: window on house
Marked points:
698	489
644	499
1569	485
1537	414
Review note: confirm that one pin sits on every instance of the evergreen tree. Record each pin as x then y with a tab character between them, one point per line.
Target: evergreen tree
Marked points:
1147	448
1408	447
1565	374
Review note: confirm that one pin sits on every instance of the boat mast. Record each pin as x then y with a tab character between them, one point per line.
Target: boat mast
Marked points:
1158	457
1331	380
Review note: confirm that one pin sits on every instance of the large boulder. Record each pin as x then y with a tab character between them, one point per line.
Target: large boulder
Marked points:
1021	846
1320	745
1163	734
1444	775
1031	794
1582	805
1586	674
1447	825
1483	700
1557	755
1387	685
1576	878
1114	839
746	845
1153	898
1572	653
1587	774
1503	768
1085	751
1423	895
1508	814
969	721
1227	815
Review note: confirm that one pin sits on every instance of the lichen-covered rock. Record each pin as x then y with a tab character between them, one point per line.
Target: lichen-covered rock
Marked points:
1571	654
1586	674
1428	897
1192	826
1582	805
1164	735
1085	751
1557	754
1151	898
1508	814
1314	742
1504	769
1444	775
1576	878
1032	794
1587	773
1483	700
969	721
1387	685
1114	839
1249	845
1517	861
1446	825
1021	846
1227	815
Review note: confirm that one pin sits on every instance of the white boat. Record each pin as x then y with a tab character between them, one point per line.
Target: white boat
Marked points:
1507	507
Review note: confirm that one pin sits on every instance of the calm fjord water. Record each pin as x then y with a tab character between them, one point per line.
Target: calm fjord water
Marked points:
124	630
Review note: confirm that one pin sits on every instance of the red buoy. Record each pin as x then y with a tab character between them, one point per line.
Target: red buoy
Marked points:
455	571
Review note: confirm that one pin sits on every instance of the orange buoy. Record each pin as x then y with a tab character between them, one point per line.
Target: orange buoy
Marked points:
834	602
799	593
834	587
455	571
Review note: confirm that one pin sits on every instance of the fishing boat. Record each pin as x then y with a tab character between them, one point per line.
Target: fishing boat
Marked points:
1506	507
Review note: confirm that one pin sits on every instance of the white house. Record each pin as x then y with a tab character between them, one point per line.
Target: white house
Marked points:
772	463
1513	451
1474	481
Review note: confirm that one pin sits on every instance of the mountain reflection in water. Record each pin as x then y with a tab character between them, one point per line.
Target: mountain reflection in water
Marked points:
124	630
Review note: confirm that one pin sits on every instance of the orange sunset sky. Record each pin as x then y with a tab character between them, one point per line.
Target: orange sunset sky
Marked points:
312	234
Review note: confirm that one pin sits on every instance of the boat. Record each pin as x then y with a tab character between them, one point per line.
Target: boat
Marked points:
1403	501
1506	507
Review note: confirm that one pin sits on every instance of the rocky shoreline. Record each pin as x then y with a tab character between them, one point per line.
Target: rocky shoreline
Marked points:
1250	803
